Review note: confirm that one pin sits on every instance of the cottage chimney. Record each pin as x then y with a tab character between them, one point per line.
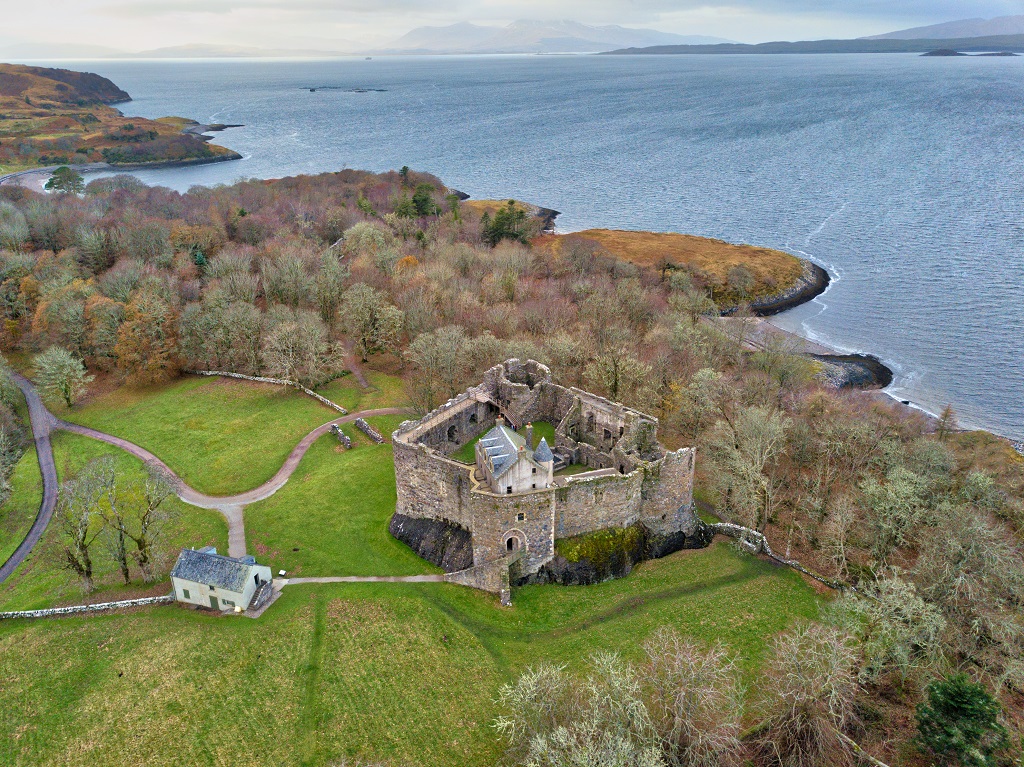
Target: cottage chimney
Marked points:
529	435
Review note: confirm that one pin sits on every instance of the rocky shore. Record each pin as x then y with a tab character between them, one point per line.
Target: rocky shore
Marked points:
812	283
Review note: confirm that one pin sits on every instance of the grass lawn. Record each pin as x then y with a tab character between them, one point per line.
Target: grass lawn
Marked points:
332	516
385	391
19	512
222	436
406	673
403	672
42	582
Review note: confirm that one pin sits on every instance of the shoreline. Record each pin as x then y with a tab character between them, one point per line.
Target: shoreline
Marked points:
36	178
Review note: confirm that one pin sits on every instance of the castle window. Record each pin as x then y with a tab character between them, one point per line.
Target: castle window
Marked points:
509	489
607	434
534	471
472	418
510	544
622	430
591	422
453	434
534	485
521	517
622	469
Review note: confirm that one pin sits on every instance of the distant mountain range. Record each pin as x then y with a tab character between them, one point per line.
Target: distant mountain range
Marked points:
519	37
1014	43
1004	25
536	37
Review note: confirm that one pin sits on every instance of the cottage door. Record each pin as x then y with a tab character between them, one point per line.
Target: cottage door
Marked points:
214	603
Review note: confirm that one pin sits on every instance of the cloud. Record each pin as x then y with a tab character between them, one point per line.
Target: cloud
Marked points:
271	23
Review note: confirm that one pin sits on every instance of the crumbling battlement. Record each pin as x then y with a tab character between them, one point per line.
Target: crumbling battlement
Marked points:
631	478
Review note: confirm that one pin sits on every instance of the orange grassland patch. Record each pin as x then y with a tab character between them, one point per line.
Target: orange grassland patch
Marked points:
479	207
714	257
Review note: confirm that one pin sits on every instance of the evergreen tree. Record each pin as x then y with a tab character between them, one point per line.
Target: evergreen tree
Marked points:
959	723
65	181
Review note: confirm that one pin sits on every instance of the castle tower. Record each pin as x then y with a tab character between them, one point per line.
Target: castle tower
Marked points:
545	458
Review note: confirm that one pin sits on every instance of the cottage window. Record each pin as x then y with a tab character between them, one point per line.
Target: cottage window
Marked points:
521	516
227	603
185	593
535	471
212	588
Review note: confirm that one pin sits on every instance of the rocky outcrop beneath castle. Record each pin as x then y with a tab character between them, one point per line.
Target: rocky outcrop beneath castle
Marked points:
607	554
438	541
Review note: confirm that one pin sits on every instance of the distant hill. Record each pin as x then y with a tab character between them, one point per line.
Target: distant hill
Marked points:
54	117
1013	43
1004	25
214	51
51	87
535	37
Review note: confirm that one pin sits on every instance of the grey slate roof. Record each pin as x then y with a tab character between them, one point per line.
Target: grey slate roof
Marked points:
543	453
501	445
212	570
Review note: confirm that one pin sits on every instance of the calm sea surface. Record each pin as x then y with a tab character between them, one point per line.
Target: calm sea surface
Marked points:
903	176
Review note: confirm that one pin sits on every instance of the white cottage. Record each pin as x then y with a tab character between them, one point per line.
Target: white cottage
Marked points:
208	579
511	465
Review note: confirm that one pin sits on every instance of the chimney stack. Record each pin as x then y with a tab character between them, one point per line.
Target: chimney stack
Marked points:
529	435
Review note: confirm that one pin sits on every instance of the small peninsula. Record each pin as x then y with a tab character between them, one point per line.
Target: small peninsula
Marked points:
51	117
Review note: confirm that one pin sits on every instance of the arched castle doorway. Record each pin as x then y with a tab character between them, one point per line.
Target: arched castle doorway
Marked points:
514	540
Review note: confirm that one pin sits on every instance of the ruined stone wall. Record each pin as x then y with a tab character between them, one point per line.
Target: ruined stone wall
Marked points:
430	486
652	487
586	505
668	492
455	423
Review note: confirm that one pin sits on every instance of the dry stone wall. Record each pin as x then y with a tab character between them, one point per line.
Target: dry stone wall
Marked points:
98	607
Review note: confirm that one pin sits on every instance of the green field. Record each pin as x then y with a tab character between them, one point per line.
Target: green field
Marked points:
332	516
41	582
401	672
19	512
384	391
405	672
222	436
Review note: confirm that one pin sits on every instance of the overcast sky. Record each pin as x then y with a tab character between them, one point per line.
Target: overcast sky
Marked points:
140	24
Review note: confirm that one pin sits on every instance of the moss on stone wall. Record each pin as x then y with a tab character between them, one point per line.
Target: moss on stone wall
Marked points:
603	547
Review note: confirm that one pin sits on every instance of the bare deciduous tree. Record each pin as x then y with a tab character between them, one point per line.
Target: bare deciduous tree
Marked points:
808	699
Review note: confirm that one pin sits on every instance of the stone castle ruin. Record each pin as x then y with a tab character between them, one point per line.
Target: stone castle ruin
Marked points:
497	520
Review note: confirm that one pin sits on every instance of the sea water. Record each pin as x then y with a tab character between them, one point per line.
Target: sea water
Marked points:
902	175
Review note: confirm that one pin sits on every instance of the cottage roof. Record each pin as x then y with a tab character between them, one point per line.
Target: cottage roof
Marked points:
501	445
211	569
543	453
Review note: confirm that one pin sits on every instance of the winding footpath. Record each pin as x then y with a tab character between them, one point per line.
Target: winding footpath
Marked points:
231	506
43	423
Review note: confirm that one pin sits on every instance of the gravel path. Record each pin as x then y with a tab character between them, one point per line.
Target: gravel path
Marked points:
43	423
231	506
365	579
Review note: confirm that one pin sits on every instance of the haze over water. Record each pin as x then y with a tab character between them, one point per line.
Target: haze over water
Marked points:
902	175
